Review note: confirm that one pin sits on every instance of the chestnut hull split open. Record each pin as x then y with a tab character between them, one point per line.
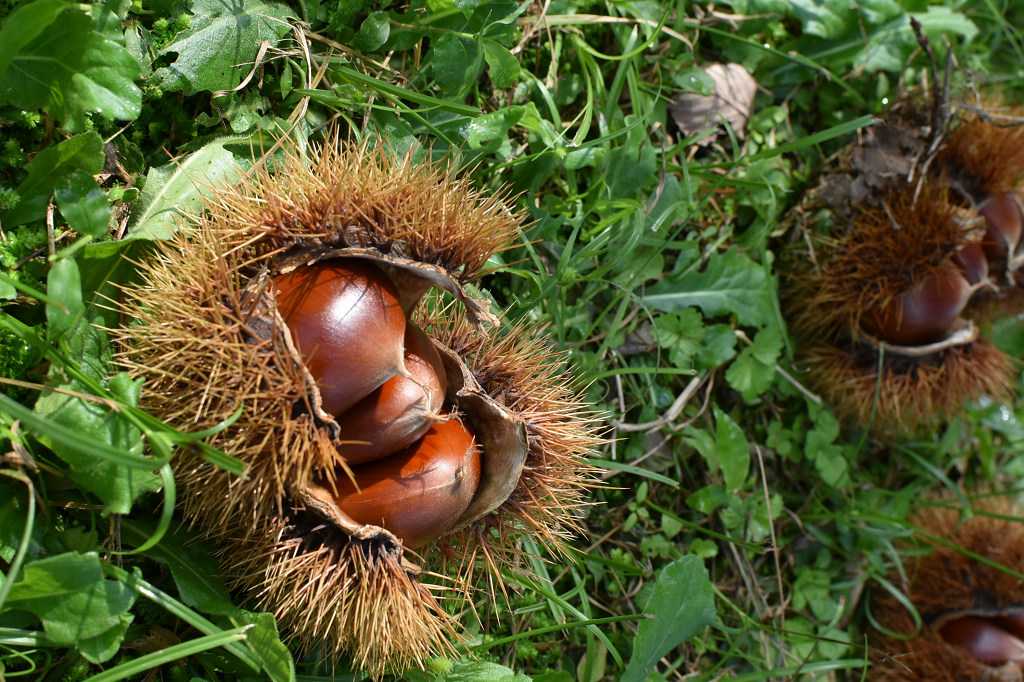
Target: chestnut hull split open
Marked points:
219	326
972	613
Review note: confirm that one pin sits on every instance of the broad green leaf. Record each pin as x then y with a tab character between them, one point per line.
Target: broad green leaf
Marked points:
194	567
451	63
708	499
70	69
701	441
179	187
504	67
81	152
482	671
373	32
118	486
680	335
732	283
218	48
733	450
703	548
83	204
64	286
22	27
266	643
717	348
682	605
13	511
494	126
193	564
753	371
75	602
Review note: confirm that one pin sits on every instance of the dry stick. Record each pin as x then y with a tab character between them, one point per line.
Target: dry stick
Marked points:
786	375
671	414
938	105
51	243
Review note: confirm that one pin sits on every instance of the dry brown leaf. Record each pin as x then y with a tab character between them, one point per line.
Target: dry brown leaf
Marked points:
732	100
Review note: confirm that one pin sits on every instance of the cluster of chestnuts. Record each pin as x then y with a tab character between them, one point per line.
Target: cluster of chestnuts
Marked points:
398	438
888	293
971	613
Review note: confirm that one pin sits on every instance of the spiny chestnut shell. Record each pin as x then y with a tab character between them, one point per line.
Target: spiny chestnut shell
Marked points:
952	591
348	324
925	314
209	339
419	493
401	410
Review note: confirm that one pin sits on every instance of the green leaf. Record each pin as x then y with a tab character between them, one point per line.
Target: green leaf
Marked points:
718	347
670	526
708	499
701	441
193	565
682	605
482	671
75	602
681	335
179	187
491	127
64	286
733	451
373	33
705	549
81	152
451	62
221	43
83	204
13	511
22	27
118	486
732	283
70	69
504	67
753	371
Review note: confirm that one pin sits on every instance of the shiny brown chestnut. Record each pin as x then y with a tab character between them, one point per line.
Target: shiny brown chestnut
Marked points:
419	493
973	263
347	323
984	639
398	413
923	315
1002	213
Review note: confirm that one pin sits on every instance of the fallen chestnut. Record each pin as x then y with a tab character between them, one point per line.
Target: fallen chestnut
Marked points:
972	261
348	324
1002	213
419	493
401	410
984	639
923	315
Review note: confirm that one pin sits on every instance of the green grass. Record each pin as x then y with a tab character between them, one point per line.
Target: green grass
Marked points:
796	518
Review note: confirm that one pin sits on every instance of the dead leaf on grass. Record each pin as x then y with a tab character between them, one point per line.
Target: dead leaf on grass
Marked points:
733	100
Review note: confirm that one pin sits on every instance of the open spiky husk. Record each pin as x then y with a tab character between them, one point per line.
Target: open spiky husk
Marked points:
948	583
520	371
887	251
913	392
208	339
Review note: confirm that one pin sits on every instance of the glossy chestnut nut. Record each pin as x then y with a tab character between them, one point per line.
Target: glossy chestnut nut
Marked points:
973	263
348	325
1002	213
398	413
983	639
419	493
924	314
